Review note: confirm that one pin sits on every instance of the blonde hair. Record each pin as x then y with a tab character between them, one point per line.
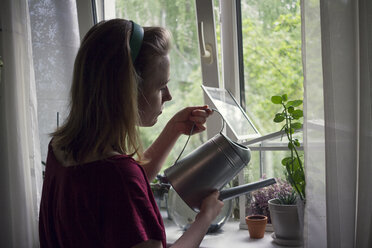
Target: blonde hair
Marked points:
104	91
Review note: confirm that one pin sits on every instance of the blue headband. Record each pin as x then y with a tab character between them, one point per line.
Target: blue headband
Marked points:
136	38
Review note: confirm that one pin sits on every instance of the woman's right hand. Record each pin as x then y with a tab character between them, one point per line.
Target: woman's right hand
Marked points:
209	210
211	206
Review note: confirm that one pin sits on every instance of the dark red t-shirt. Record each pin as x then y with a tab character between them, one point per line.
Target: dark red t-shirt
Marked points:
107	203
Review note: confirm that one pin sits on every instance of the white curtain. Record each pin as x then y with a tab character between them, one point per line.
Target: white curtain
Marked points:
337	57
20	170
53	26
55	42
364	190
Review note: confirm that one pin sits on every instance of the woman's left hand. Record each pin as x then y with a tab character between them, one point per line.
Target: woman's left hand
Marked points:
185	119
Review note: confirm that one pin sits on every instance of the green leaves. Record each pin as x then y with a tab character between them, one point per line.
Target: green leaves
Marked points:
287	161
290	109
293	163
297	114
284	98
276	99
296	125
285	199
279	117
294	103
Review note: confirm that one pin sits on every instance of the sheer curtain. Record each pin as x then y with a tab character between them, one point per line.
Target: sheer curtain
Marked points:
55	42
364	189
337	61
35	83
20	170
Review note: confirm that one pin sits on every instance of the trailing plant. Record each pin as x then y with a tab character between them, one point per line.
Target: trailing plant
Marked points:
291	116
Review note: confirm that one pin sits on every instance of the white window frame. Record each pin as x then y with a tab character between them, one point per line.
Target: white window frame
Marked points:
86	16
230	62
233	78
230	71
91	12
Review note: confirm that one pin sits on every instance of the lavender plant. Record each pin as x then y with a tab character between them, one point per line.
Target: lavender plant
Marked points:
259	205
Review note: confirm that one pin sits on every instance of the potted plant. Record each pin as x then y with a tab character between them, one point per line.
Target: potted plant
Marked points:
256	225
259	204
287	210
285	219
159	188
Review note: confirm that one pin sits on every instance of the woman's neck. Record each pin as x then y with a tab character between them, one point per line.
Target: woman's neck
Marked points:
67	159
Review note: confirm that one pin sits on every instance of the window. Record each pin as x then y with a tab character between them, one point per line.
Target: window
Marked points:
271	45
261	57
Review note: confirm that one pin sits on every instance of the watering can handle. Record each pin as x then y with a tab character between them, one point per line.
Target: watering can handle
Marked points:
192	130
223	120
228	194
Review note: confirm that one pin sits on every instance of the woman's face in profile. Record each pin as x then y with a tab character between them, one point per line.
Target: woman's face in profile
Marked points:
155	91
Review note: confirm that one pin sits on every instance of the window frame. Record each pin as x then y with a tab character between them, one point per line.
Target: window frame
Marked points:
87	15
233	69
233	80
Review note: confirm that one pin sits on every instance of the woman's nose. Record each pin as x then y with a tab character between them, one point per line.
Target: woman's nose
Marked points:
167	96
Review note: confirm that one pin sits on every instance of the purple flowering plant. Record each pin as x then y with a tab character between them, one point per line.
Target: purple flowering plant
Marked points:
260	198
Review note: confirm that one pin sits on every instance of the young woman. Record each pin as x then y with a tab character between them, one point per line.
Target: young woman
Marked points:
96	190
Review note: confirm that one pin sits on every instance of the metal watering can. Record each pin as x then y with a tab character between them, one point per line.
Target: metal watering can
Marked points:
210	167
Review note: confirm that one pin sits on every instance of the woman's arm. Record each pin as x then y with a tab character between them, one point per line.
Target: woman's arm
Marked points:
181	123
210	209
151	243
192	238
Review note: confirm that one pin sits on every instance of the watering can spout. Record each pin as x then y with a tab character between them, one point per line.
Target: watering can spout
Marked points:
228	194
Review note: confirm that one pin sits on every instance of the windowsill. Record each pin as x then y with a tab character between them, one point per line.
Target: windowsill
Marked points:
228	236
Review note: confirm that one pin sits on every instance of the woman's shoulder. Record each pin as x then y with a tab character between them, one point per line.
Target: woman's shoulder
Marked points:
125	174
123	163
120	166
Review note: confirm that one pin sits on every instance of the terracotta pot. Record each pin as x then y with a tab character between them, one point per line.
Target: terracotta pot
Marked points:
256	225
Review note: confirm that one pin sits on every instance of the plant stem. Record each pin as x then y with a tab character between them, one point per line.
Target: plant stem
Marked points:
290	169
299	160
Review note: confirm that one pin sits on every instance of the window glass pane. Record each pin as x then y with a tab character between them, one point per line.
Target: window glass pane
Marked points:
271	32
180	18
